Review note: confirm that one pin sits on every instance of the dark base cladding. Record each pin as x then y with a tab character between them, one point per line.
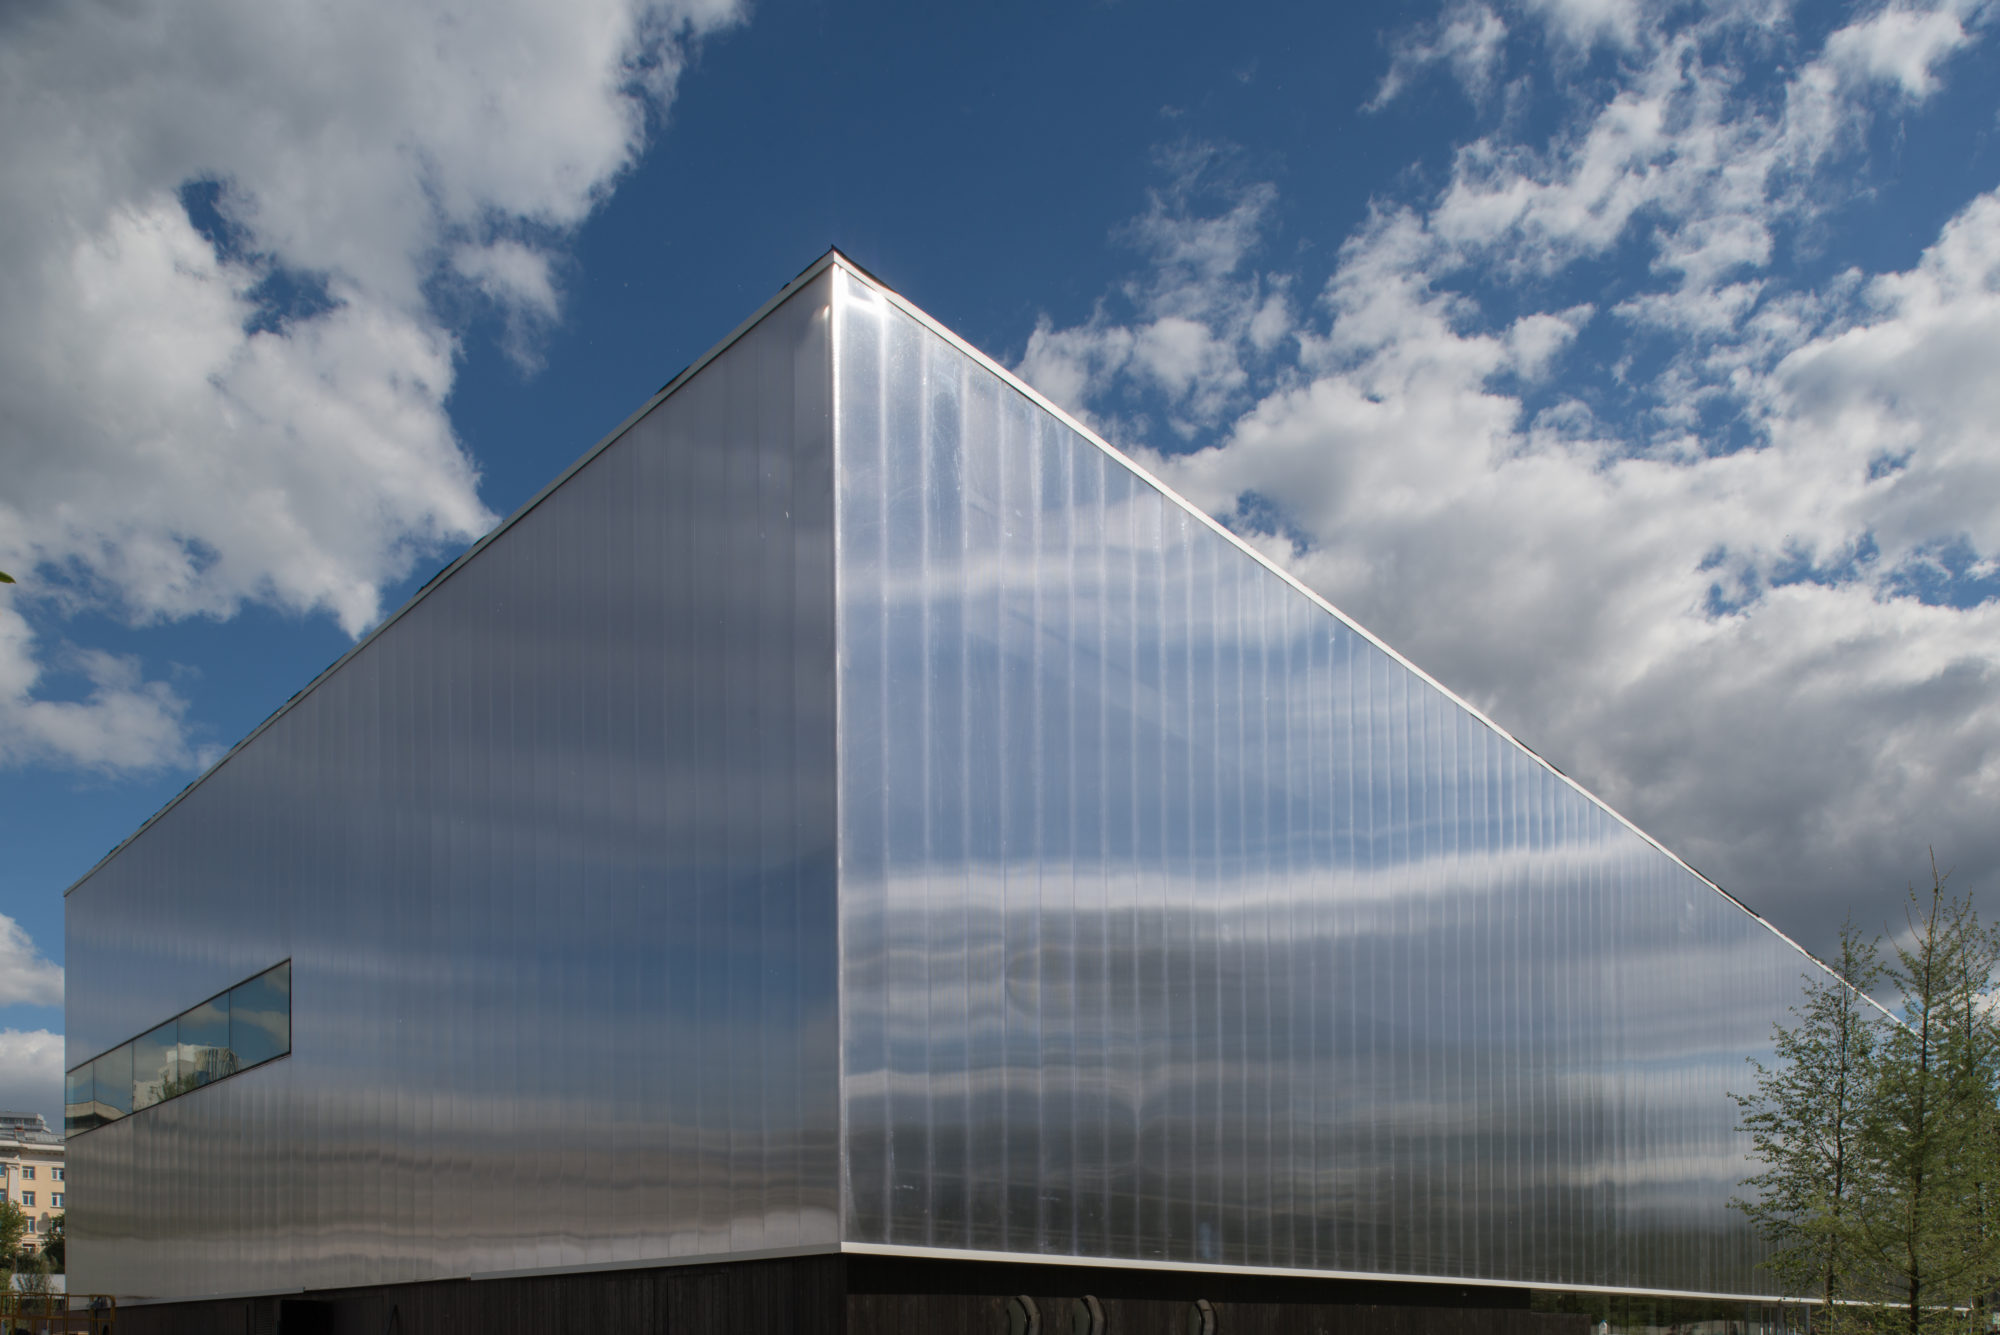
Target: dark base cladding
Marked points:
802	1294
897	1296
855	1295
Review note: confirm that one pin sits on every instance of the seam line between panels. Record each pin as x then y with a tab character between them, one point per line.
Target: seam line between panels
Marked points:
210	1297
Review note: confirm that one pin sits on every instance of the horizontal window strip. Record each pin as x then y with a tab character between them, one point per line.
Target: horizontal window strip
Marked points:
231	1032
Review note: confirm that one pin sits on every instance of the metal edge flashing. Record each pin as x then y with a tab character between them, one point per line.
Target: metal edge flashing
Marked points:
784	294
525	1272
655	1262
836	293
1028	391
1278	1272
149	1301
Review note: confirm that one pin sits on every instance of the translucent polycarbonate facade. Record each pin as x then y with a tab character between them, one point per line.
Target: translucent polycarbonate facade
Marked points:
855	808
553	859
1182	923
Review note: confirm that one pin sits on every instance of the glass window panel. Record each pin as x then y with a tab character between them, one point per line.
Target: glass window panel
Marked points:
204	1043
111	1096
260	1017
155	1066
77	1087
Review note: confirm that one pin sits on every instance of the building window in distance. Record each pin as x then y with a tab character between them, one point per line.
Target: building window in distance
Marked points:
58	1173
28	1172
27	1198
56	1200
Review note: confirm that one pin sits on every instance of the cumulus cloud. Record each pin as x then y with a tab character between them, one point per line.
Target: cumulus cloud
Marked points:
1183	331
1902	45
1762	639
27	978
222	369
121	722
31	1073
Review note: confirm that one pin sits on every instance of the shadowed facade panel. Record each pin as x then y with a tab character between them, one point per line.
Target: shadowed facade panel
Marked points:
1182	923
553	857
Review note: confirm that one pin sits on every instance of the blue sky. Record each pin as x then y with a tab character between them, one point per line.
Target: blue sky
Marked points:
1631	367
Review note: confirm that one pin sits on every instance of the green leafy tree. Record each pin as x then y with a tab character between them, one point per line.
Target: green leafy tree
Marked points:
1926	1245
13	1227
1805	1115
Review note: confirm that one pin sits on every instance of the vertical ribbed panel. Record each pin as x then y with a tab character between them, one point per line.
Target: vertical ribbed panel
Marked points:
1176	921
554	859
1181	923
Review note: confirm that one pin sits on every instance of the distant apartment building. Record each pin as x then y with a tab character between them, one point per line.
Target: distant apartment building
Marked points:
31	1172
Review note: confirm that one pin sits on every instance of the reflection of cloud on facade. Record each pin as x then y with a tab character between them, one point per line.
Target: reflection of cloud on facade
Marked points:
1129	905
553	859
1167	891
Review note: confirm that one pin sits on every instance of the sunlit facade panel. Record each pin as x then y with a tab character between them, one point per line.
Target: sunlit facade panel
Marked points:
1183	923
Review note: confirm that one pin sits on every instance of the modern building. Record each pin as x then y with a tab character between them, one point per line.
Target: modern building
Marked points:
856	852
31	1173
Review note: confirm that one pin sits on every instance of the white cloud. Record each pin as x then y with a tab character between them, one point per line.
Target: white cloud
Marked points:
31	1073
122	722
1899	45
1200	316
511	274
1582	24
27	978
1803	747
1717	635
1912	381
517	279
1469	40
193	426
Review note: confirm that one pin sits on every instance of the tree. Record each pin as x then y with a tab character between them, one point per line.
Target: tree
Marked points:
31	1273
55	1245
1927	1244
1805	1116
13	1227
